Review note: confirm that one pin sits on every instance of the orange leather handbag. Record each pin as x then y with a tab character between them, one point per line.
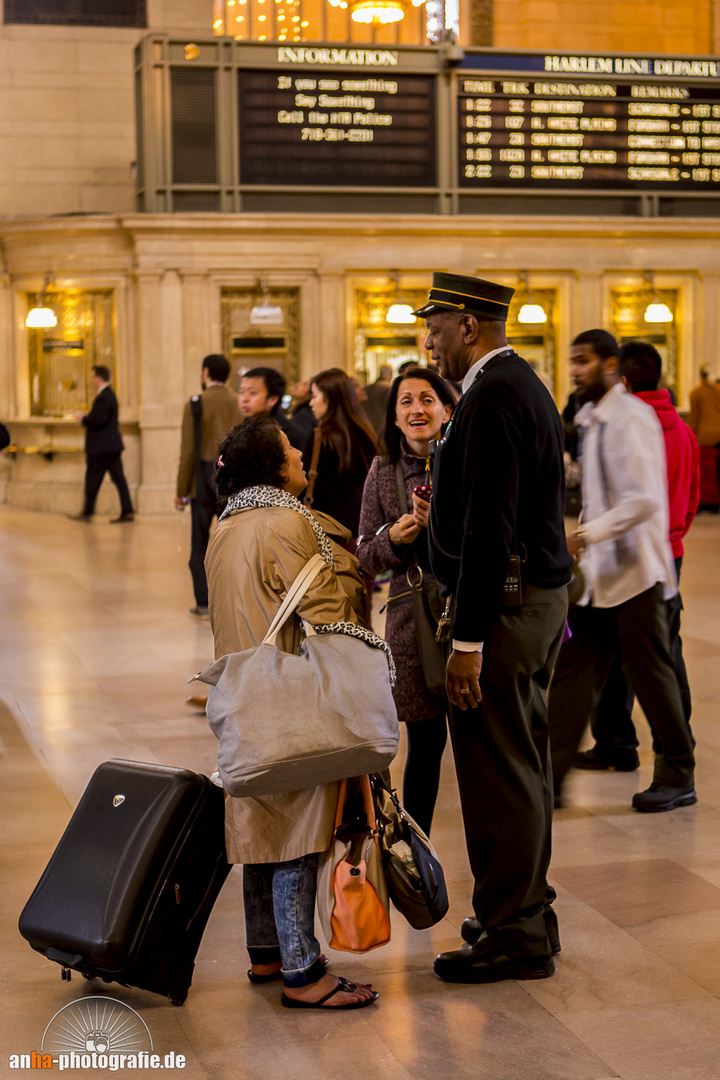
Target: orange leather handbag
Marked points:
353	899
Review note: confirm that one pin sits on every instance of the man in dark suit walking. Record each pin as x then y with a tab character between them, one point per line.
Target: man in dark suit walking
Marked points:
103	448
497	542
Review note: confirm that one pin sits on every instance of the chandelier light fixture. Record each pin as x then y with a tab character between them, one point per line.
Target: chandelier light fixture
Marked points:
377	12
656	312
398	313
265	313
530	312
41	317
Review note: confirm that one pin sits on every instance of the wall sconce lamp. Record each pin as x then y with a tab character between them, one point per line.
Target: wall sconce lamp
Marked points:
397	313
530	312
41	317
656	312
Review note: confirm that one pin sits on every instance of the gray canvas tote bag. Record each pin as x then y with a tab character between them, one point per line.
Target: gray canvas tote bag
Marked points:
288	721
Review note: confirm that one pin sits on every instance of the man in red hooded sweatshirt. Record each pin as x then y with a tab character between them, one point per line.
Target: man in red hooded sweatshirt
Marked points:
615	739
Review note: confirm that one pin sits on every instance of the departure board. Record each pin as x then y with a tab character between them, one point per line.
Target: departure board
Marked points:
329	128
549	132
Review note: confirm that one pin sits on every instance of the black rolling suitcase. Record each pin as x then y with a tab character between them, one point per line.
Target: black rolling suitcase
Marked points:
128	892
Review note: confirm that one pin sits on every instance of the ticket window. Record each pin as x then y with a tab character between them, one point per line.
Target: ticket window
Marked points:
261	330
536	342
627	323
378	342
61	357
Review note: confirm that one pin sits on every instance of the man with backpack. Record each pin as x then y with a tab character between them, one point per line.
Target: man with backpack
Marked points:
207	418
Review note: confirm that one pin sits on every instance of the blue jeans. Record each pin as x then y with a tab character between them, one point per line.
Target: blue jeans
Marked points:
279	903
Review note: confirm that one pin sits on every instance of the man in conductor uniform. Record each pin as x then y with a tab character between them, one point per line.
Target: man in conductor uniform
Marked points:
497	541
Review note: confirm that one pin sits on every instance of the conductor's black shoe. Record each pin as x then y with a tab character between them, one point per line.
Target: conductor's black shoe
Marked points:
470	932
658	798
617	760
123	517
79	517
473	964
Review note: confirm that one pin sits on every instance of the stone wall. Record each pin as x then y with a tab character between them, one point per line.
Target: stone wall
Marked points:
632	26
168	273
67	112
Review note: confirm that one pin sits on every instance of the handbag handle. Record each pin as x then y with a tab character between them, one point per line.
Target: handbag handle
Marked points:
313	470
295	593
367	799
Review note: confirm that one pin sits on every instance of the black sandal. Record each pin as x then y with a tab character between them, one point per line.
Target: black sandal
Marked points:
342	984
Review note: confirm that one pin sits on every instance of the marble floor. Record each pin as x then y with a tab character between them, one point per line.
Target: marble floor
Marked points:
95	646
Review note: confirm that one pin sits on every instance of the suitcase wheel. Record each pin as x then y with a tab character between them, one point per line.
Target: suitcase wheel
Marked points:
66	974
178	998
88	977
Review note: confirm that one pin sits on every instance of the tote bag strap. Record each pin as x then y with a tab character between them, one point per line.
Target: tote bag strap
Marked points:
295	593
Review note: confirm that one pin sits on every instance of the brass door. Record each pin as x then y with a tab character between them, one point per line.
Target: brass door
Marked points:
61	357
250	342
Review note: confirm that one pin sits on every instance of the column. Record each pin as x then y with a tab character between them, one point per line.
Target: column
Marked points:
587	306
197	298
325	334
160	352
481	19
708	335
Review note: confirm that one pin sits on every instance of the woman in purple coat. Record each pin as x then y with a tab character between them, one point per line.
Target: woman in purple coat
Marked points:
420	403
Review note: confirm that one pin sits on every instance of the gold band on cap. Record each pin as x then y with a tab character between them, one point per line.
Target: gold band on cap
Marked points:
471	296
445	302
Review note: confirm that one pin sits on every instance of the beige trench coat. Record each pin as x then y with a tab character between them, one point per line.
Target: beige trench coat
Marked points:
252	559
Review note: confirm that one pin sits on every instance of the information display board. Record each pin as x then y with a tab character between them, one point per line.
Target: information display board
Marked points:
546	131
331	128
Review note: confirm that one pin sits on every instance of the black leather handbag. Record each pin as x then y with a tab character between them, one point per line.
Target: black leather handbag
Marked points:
427	607
414	876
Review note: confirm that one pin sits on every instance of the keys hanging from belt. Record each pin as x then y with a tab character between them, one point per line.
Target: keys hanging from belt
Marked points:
442	634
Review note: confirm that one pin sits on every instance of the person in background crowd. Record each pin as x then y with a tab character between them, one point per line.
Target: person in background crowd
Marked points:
705	413
347	446
301	415
376	398
261	391
573	503
420	403
497	542
263	541
629	576
614	732
211	414
103	448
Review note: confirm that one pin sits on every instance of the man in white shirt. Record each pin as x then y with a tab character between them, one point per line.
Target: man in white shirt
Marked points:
629	573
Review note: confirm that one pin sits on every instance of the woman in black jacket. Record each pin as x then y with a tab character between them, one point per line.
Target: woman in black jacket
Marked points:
347	443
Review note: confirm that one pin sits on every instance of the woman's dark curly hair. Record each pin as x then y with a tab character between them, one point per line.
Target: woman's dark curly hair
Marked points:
252	453
393	435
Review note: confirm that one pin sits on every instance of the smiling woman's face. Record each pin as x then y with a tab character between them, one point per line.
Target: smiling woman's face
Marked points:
419	413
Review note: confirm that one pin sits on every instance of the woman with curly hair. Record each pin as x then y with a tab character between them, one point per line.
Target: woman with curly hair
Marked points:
263	540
